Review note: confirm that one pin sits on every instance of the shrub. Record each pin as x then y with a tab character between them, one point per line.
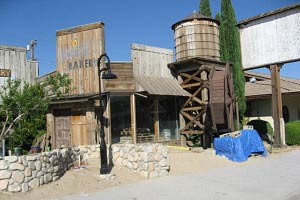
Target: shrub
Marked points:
263	128
292	133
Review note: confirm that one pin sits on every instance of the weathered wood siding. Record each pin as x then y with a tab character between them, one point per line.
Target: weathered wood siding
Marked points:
14	59
124	82
197	38
272	39
218	96
77	52
151	61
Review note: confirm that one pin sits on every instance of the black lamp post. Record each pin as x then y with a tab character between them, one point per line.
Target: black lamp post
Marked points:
106	75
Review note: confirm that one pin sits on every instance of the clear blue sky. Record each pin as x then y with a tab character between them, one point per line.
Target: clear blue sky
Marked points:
126	22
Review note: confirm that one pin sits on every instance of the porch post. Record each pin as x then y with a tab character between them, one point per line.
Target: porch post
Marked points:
156	119
279	130
133	118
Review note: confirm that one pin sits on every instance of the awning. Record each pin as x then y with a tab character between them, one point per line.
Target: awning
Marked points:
160	86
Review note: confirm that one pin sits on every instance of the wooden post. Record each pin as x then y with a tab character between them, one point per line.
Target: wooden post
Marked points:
237	112
133	118
277	105
51	128
156	119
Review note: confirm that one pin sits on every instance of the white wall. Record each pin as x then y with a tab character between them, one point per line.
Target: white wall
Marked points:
262	108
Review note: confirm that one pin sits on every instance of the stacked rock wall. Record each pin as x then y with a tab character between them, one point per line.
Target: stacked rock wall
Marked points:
22	173
150	160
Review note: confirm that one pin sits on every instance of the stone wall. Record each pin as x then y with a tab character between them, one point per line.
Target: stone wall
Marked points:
22	173
150	160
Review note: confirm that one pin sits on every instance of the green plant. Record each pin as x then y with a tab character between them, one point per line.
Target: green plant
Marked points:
23	108
230	50
292	133
204	8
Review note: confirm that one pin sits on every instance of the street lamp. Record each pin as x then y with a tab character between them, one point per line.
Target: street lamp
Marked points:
106	75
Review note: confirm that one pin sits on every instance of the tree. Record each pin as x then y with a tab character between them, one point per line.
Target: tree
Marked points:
230	51
23	108
204	8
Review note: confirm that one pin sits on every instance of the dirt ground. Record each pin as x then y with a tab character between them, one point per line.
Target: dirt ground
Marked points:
87	180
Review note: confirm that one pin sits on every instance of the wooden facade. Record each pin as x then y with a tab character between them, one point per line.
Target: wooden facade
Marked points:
73	120
78	49
13	63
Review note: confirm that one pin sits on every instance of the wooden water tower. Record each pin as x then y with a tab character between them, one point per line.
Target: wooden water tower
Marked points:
200	71
197	36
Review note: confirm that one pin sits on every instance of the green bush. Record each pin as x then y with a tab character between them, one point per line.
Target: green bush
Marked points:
292	133
263	128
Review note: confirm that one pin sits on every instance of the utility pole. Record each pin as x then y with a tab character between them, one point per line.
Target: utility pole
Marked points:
31	47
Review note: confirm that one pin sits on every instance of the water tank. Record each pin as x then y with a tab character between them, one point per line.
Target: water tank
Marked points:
197	36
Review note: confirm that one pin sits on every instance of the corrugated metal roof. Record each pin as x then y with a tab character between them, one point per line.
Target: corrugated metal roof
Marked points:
160	86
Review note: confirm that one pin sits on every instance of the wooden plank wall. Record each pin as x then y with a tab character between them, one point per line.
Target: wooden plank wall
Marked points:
14	58
124	82
78	49
151	61
198	38
218	96
271	39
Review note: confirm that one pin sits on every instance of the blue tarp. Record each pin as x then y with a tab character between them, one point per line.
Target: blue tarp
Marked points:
239	148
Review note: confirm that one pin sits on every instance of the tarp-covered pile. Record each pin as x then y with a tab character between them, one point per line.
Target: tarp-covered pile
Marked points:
239	148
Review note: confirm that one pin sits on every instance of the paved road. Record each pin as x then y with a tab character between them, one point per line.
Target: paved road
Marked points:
276	179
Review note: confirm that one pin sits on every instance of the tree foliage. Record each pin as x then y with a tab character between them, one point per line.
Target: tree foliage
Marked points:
230	50
204	8
23	108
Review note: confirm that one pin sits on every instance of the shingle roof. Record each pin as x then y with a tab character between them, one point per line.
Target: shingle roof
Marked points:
264	87
195	16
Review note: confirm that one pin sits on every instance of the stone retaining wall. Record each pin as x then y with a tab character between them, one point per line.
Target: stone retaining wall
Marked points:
22	173
150	160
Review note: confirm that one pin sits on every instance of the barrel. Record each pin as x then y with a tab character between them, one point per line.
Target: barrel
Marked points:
17	151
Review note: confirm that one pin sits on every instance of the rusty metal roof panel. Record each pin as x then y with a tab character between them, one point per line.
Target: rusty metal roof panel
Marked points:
160	86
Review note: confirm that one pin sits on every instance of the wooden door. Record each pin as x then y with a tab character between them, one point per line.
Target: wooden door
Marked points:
79	132
62	122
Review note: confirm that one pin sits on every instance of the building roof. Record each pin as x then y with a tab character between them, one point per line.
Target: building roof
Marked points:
160	86
263	86
266	14
193	17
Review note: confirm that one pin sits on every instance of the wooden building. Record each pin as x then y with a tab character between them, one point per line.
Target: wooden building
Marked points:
14	64
141	104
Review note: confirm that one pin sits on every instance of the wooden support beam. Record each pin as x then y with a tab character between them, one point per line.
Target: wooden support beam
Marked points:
156	119
189	77
191	85
192	108
186	115
192	132
277	105
133	118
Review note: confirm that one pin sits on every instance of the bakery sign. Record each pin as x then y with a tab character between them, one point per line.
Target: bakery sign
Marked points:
5	73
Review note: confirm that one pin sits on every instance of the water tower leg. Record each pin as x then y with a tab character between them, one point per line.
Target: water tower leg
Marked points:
277	106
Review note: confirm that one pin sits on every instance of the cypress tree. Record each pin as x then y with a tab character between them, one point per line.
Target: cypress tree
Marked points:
230	51
204	8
